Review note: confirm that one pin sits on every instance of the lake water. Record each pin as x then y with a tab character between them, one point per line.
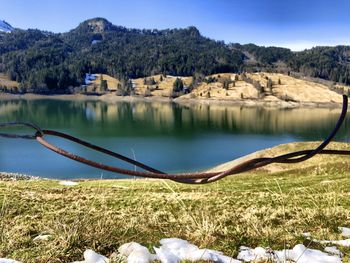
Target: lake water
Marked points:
167	136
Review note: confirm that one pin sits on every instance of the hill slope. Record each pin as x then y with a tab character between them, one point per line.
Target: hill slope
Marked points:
266	87
45	62
5	27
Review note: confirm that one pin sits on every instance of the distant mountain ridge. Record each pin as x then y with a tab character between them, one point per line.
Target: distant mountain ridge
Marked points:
43	61
5	27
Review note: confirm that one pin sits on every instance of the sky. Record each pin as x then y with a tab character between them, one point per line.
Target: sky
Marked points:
297	24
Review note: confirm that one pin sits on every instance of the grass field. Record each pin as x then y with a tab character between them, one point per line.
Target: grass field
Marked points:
259	208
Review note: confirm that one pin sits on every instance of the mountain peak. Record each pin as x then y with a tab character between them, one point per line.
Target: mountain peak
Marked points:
5	27
96	25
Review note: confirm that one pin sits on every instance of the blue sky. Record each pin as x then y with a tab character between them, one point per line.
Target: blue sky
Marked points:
295	24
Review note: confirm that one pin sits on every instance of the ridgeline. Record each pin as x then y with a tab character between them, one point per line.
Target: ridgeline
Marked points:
44	62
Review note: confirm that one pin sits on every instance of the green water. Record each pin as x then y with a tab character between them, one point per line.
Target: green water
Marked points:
168	136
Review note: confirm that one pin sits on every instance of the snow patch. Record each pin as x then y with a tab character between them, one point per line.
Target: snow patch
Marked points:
42	238
5	260
5	27
306	234
258	254
345	231
174	250
91	256
299	254
344	242
333	251
68	183
135	253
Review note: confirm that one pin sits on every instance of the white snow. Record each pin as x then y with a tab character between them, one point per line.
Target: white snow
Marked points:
345	231
333	251
5	260
248	254
174	250
344	242
5	27
166	256
91	256
68	183
135	253
42	238
306	234
299	254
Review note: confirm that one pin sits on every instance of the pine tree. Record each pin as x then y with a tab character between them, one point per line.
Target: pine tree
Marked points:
103	85
269	85
178	85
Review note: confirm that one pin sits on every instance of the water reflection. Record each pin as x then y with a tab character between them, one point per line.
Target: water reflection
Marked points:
159	118
168	136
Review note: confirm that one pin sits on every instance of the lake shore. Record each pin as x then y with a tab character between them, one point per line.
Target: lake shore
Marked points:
268	152
6	176
111	98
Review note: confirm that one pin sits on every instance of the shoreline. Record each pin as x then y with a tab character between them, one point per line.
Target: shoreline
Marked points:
272	168
111	98
8	176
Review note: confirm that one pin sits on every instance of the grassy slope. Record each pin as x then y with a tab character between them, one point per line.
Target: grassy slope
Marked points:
290	88
5	81
112	83
257	208
165	87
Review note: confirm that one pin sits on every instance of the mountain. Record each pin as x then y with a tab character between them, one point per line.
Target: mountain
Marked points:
46	62
42	61
5	27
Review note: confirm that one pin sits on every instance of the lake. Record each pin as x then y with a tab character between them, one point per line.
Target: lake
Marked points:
165	135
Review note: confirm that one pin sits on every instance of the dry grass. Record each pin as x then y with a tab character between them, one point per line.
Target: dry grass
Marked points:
112	83
285	88
5	81
257	208
162	88
297	89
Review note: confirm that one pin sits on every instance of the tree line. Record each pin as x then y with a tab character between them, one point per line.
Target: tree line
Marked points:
45	62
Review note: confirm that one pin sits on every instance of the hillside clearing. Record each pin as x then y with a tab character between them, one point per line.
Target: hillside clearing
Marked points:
270	89
94	85
6	83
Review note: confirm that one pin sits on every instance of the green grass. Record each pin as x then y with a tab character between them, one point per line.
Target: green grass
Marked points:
252	209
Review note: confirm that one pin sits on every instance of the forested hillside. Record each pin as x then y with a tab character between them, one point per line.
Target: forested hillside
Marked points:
45	62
